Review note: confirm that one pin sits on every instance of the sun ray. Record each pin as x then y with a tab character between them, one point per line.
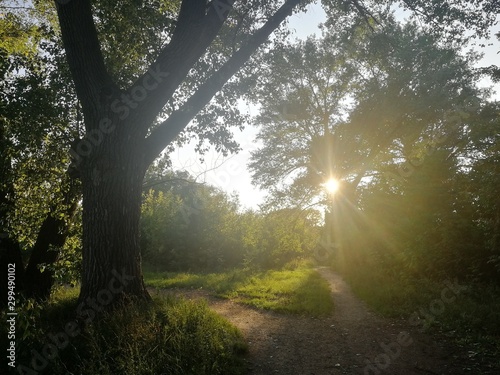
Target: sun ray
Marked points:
332	185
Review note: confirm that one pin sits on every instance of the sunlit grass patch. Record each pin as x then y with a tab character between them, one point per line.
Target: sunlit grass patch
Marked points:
301	290
220	283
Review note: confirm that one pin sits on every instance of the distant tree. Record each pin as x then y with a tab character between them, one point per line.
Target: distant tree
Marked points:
353	97
441	218
479	187
493	70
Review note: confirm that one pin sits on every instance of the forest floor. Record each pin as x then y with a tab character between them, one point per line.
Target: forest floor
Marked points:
352	340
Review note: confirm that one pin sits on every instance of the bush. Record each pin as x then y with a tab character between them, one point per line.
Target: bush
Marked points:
200	229
280	237
197	229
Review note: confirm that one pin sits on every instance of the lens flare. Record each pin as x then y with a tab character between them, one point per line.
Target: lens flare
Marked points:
332	185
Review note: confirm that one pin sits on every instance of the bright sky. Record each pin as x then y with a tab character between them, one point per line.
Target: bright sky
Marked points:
231	174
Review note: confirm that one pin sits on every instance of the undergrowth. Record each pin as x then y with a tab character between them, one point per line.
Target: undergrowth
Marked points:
167	336
468	313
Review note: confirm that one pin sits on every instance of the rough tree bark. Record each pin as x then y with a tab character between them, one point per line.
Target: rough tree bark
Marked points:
116	151
112	188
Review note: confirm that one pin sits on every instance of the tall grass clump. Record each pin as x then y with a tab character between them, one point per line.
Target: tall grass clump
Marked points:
168	336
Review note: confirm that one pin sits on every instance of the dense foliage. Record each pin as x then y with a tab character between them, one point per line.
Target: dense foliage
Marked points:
190	226
393	112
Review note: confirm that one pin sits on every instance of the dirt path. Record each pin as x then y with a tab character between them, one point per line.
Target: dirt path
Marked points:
350	341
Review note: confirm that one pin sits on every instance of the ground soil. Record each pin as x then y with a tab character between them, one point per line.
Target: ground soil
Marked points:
349	341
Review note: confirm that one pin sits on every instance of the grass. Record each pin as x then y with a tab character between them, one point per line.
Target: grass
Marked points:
168	336
298	291
218	283
388	296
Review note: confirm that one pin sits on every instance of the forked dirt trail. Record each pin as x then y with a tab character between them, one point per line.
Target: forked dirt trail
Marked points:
350	341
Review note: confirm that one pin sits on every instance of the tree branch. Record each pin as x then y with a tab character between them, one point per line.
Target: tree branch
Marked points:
178	120
194	33
84	56
367	15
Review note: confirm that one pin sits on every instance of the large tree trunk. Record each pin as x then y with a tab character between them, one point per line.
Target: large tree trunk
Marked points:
111	211
120	142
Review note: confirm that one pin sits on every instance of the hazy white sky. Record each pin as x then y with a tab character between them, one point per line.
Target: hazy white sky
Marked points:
231	174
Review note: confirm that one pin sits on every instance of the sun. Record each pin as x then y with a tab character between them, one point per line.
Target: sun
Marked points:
332	185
